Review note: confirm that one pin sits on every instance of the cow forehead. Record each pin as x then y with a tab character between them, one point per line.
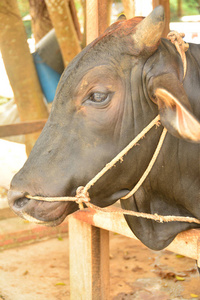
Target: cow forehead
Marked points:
108	49
91	66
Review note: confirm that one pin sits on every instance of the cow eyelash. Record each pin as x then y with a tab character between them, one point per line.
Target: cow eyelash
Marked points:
99	98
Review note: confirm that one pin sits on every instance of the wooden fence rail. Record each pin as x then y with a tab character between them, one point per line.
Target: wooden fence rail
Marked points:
21	128
89	251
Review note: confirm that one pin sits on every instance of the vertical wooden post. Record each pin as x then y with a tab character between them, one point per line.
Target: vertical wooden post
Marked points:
89	261
104	13
97	18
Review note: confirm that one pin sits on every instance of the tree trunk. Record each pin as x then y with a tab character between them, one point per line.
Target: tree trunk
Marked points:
64	27
20	67
41	22
129	8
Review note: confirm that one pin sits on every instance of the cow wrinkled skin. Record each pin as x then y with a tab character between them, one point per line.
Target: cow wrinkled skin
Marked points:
106	96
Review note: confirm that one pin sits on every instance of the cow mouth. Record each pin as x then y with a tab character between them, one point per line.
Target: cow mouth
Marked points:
40	212
50	213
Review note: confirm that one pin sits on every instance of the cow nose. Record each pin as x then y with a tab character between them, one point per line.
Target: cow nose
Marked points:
17	199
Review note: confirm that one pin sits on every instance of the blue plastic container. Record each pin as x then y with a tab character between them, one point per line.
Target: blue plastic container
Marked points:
48	77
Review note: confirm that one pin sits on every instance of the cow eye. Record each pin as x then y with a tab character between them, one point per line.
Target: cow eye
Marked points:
99	97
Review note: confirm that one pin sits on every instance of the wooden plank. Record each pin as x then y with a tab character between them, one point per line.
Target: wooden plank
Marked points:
6	213
186	243
21	128
89	261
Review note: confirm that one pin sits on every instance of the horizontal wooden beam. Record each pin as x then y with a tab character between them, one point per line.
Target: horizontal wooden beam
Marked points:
186	243
21	128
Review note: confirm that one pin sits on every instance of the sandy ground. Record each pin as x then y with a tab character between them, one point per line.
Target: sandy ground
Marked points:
40	271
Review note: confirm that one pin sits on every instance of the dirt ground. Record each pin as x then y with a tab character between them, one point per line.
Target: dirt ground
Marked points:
40	271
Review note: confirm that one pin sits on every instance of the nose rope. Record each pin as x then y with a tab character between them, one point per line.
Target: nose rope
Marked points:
82	195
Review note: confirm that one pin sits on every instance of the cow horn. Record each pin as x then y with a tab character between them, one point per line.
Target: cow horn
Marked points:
149	30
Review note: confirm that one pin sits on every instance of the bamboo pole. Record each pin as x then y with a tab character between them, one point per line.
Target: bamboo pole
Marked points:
20	67
64	27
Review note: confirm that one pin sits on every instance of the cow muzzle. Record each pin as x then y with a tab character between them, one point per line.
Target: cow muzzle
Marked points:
41	212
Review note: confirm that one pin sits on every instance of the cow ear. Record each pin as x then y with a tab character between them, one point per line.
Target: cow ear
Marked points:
174	107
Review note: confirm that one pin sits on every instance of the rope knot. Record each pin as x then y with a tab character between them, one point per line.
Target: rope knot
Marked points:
82	196
176	38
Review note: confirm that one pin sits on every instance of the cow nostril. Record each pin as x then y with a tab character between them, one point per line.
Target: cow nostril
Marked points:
17	199
21	202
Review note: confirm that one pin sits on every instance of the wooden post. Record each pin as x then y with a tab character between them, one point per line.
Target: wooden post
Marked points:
165	4
104	12
89	261
97	18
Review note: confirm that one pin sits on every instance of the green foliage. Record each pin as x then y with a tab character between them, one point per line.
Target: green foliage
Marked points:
23	7
24	11
3	100
189	8
28	28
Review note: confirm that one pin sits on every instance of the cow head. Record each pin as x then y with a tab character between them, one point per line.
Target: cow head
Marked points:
102	101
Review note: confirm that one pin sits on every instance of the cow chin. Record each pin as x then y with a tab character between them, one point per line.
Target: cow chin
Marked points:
42	212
